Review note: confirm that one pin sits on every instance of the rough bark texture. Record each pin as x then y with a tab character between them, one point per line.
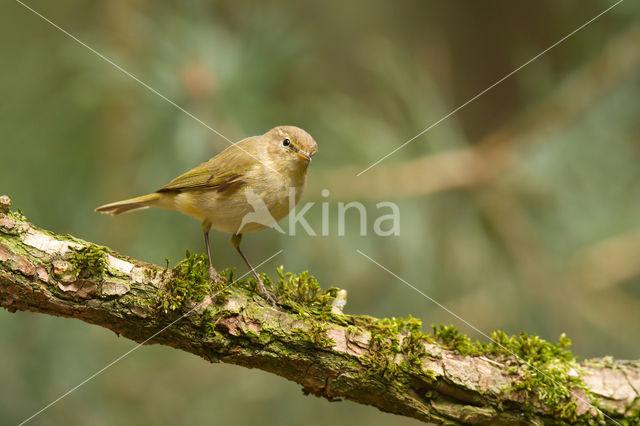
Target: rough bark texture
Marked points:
330	354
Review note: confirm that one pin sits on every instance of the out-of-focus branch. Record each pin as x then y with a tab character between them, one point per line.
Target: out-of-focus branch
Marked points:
608	262
496	152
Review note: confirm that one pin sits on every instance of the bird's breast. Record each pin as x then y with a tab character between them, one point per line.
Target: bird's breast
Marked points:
257	204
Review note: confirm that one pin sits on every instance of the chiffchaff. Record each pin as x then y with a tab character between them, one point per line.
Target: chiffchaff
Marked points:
224	192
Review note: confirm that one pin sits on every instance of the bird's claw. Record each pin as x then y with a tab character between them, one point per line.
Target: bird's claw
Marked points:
265	293
215	276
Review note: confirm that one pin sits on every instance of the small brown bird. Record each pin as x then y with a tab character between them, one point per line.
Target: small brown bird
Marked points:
247	187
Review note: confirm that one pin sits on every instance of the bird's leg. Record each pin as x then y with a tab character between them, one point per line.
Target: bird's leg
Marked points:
213	274
235	240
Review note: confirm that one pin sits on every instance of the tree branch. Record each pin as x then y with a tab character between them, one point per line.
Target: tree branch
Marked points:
440	377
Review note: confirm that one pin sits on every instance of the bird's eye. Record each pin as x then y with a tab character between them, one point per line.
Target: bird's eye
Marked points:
286	142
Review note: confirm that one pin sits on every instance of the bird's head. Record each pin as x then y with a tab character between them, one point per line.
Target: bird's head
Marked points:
291	144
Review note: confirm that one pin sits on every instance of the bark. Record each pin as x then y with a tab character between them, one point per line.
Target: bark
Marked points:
329	354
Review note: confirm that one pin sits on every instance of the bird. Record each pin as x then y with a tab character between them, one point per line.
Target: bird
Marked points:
247	187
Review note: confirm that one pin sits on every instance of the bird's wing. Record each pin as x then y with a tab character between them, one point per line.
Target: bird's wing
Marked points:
223	172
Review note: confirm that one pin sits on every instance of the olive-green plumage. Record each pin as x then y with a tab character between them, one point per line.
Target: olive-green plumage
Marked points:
269	171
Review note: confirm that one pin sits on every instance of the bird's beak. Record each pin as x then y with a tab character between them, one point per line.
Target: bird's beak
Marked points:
304	155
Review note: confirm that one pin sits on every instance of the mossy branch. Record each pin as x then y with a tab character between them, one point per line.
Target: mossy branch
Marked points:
392	364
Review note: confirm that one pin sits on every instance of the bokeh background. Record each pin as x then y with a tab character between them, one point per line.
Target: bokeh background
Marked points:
519	212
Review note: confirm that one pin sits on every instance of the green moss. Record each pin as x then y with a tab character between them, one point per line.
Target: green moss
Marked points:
548	371
397	349
451	338
16	215
189	280
298	292
632	414
401	334
208	320
317	334
302	292
530	347
149	273
568	412
89	261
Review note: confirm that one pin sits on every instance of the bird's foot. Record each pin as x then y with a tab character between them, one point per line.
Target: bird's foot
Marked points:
215	276
265	293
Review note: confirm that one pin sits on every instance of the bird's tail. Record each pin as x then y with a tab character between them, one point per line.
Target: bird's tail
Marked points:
131	205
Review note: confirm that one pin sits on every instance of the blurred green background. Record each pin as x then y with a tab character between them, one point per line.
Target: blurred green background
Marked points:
519	212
